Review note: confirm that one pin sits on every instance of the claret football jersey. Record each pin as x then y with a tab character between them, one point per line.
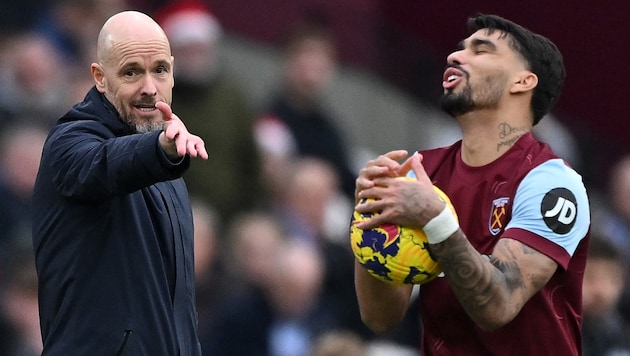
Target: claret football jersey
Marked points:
530	195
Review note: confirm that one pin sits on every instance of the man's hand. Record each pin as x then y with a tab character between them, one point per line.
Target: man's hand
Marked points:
410	203
175	140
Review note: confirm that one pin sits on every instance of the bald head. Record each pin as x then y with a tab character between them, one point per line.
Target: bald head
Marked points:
124	27
134	69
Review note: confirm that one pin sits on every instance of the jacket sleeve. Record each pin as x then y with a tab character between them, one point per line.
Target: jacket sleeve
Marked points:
90	163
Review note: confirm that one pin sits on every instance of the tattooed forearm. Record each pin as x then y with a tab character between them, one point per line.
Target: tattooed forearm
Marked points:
468	274
492	289
511	270
485	286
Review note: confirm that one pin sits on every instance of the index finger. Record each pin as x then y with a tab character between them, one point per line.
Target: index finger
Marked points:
396	155
388	161
166	110
414	163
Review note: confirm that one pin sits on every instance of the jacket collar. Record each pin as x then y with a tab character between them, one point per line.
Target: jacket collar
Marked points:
96	107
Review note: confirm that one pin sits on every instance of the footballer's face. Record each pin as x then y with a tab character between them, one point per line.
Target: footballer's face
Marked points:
137	73
479	72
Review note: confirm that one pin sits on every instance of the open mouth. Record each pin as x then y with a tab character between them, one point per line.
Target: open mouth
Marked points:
145	107
452	76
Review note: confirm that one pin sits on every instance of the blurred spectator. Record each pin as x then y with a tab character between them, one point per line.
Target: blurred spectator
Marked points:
18	303
615	224
29	85
313	211
296	296
612	219
297	113
207	226
206	98
282	318
310	202
210	280
72	25
254	240
604	331
277	148
20	152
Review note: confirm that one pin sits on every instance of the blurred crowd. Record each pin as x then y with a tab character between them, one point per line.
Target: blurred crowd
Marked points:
272	204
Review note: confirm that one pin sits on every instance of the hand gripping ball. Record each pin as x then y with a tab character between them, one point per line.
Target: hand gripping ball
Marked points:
395	254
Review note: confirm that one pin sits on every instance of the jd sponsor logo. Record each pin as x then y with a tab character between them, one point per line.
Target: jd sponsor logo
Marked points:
559	210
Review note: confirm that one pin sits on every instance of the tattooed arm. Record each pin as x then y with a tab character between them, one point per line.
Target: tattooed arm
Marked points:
493	289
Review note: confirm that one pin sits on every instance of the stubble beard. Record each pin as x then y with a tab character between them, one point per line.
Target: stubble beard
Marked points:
137	125
141	126
457	104
145	127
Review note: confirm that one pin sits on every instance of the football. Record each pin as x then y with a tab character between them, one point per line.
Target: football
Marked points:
395	254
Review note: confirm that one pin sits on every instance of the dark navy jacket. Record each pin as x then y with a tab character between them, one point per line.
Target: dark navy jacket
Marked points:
113	237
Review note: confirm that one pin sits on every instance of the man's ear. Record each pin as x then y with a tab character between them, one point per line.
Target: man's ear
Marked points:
99	77
525	81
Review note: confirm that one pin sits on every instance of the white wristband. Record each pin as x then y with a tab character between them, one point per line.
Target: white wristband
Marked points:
441	227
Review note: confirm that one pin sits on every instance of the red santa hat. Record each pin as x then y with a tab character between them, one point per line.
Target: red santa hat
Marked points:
188	21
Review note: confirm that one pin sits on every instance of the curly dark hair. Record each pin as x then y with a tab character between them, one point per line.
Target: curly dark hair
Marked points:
542	56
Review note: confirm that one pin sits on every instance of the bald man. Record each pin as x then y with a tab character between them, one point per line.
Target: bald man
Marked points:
112	227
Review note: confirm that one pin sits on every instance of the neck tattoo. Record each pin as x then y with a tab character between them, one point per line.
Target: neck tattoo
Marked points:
508	135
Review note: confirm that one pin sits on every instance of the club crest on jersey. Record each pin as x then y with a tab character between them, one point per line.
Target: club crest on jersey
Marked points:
498	214
559	210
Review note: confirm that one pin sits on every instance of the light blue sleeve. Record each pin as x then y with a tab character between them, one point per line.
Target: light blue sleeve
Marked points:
551	201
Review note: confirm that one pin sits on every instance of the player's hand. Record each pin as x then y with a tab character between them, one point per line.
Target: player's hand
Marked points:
410	203
175	140
383	166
